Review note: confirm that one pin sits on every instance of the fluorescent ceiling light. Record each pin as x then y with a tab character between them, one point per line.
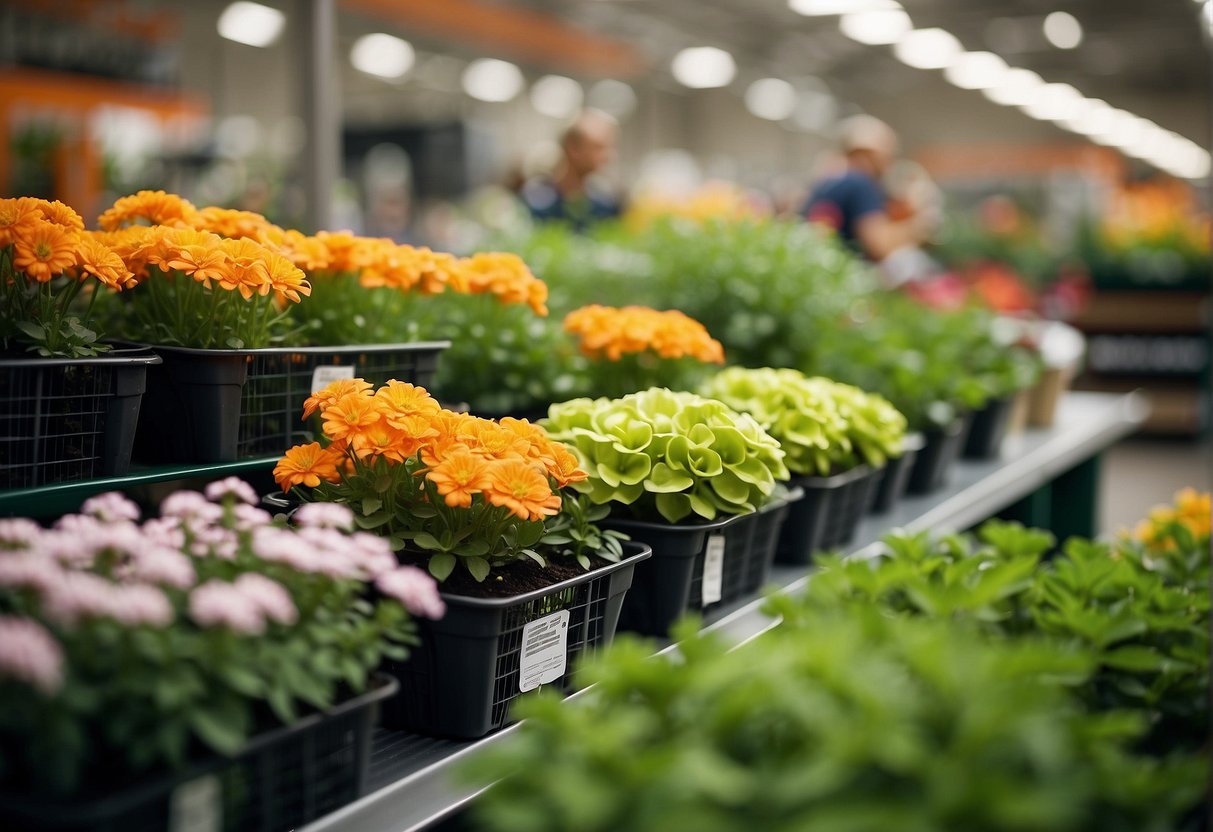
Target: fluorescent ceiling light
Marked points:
1063	30
771	98
876	27
1055	102
1015	88
813	8
382	55
488	79
251	23
927	49
977	71
556	96
703	67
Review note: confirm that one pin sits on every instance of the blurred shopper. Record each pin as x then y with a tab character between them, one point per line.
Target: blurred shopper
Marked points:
854	202
571	193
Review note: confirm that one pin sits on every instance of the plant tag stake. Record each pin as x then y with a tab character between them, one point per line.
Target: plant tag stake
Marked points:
322	377
195	806
544	655
713	570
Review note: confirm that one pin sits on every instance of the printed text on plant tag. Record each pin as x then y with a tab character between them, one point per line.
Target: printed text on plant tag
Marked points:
544	651
322	377
713	569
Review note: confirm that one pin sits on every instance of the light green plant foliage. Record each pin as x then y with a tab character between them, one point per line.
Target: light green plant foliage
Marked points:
669	455
1142	618
847	720
824	427
342	311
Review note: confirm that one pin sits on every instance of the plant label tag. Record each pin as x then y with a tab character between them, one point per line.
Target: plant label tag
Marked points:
196	806
322	377
713	570
545	647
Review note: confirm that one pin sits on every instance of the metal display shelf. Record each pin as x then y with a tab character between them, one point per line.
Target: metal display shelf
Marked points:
414	779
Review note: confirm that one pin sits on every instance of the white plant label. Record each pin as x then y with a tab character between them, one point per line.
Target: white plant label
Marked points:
545	647
197	806
322	377
713	570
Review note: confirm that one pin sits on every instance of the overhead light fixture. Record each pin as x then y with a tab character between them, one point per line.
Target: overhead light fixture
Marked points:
556	96
703	67
771	98
382	55
251	23
613	97
492	80
876	27
1055	102
928	49
816	8
1063	30
976	71
1015	88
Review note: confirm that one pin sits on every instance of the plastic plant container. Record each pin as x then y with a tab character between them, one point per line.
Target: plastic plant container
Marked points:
282	779
470	665
989	429
63	420
939	453
225	405
819	520
892	480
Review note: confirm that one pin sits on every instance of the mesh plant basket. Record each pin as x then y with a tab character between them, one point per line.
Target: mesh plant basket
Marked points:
485	652
850	503
239	404
822	518
283	779
63	420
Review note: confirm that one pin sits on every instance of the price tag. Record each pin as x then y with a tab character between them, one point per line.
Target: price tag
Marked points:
197	806
545	647
322	377
713	569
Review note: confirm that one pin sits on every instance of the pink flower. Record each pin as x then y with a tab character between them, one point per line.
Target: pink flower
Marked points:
140	605
28	653
190	505
29	571
234	486
215	541
415	589
18	533
220	604
162	565
165	531
335	557
373	553
250	517
270	597
324	515
77	595
109	507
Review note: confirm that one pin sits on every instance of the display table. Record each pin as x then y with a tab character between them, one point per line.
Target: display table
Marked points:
1049	473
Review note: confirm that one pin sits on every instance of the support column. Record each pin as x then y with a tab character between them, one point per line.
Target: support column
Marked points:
321	161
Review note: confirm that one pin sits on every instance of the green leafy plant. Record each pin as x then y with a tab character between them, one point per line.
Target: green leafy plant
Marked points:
127	648
670	455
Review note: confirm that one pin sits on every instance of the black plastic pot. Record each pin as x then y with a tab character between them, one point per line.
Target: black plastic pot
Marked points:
63	420
989	429
821	519
461	680
941	449
223	405
892	480
282	779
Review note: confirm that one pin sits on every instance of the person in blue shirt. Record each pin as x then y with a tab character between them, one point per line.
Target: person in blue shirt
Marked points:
854	202
570	193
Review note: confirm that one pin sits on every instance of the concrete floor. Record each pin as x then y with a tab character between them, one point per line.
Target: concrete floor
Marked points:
1139	474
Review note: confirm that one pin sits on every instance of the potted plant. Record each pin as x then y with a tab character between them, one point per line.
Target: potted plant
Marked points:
208	655
836	438
692	478
69	410
529	580
634	348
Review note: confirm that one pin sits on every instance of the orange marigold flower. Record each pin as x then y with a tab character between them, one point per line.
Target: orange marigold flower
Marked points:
522	488
92	257
459	476
17	216
491	440
609	332
349	415
308	253
197	254
565	467
399	400
138	246
507	277
45	250
307	465
155	207
340	245
323	397
286	279
56	212
232	223
249	272
380	439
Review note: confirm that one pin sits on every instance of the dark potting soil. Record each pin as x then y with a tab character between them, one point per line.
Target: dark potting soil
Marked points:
517	578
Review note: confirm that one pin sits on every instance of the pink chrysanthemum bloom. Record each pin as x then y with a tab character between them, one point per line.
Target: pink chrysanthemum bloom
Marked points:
30	654
235	486
415	589
270	597
251	517
220	604
18	533
140	605
324	515
162	565
32	570
190	505
110	507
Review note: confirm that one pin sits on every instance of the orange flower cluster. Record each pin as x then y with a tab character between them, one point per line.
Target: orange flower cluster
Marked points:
1160	211
1191	510
507	277
48	240
510	464
612	332
153	208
